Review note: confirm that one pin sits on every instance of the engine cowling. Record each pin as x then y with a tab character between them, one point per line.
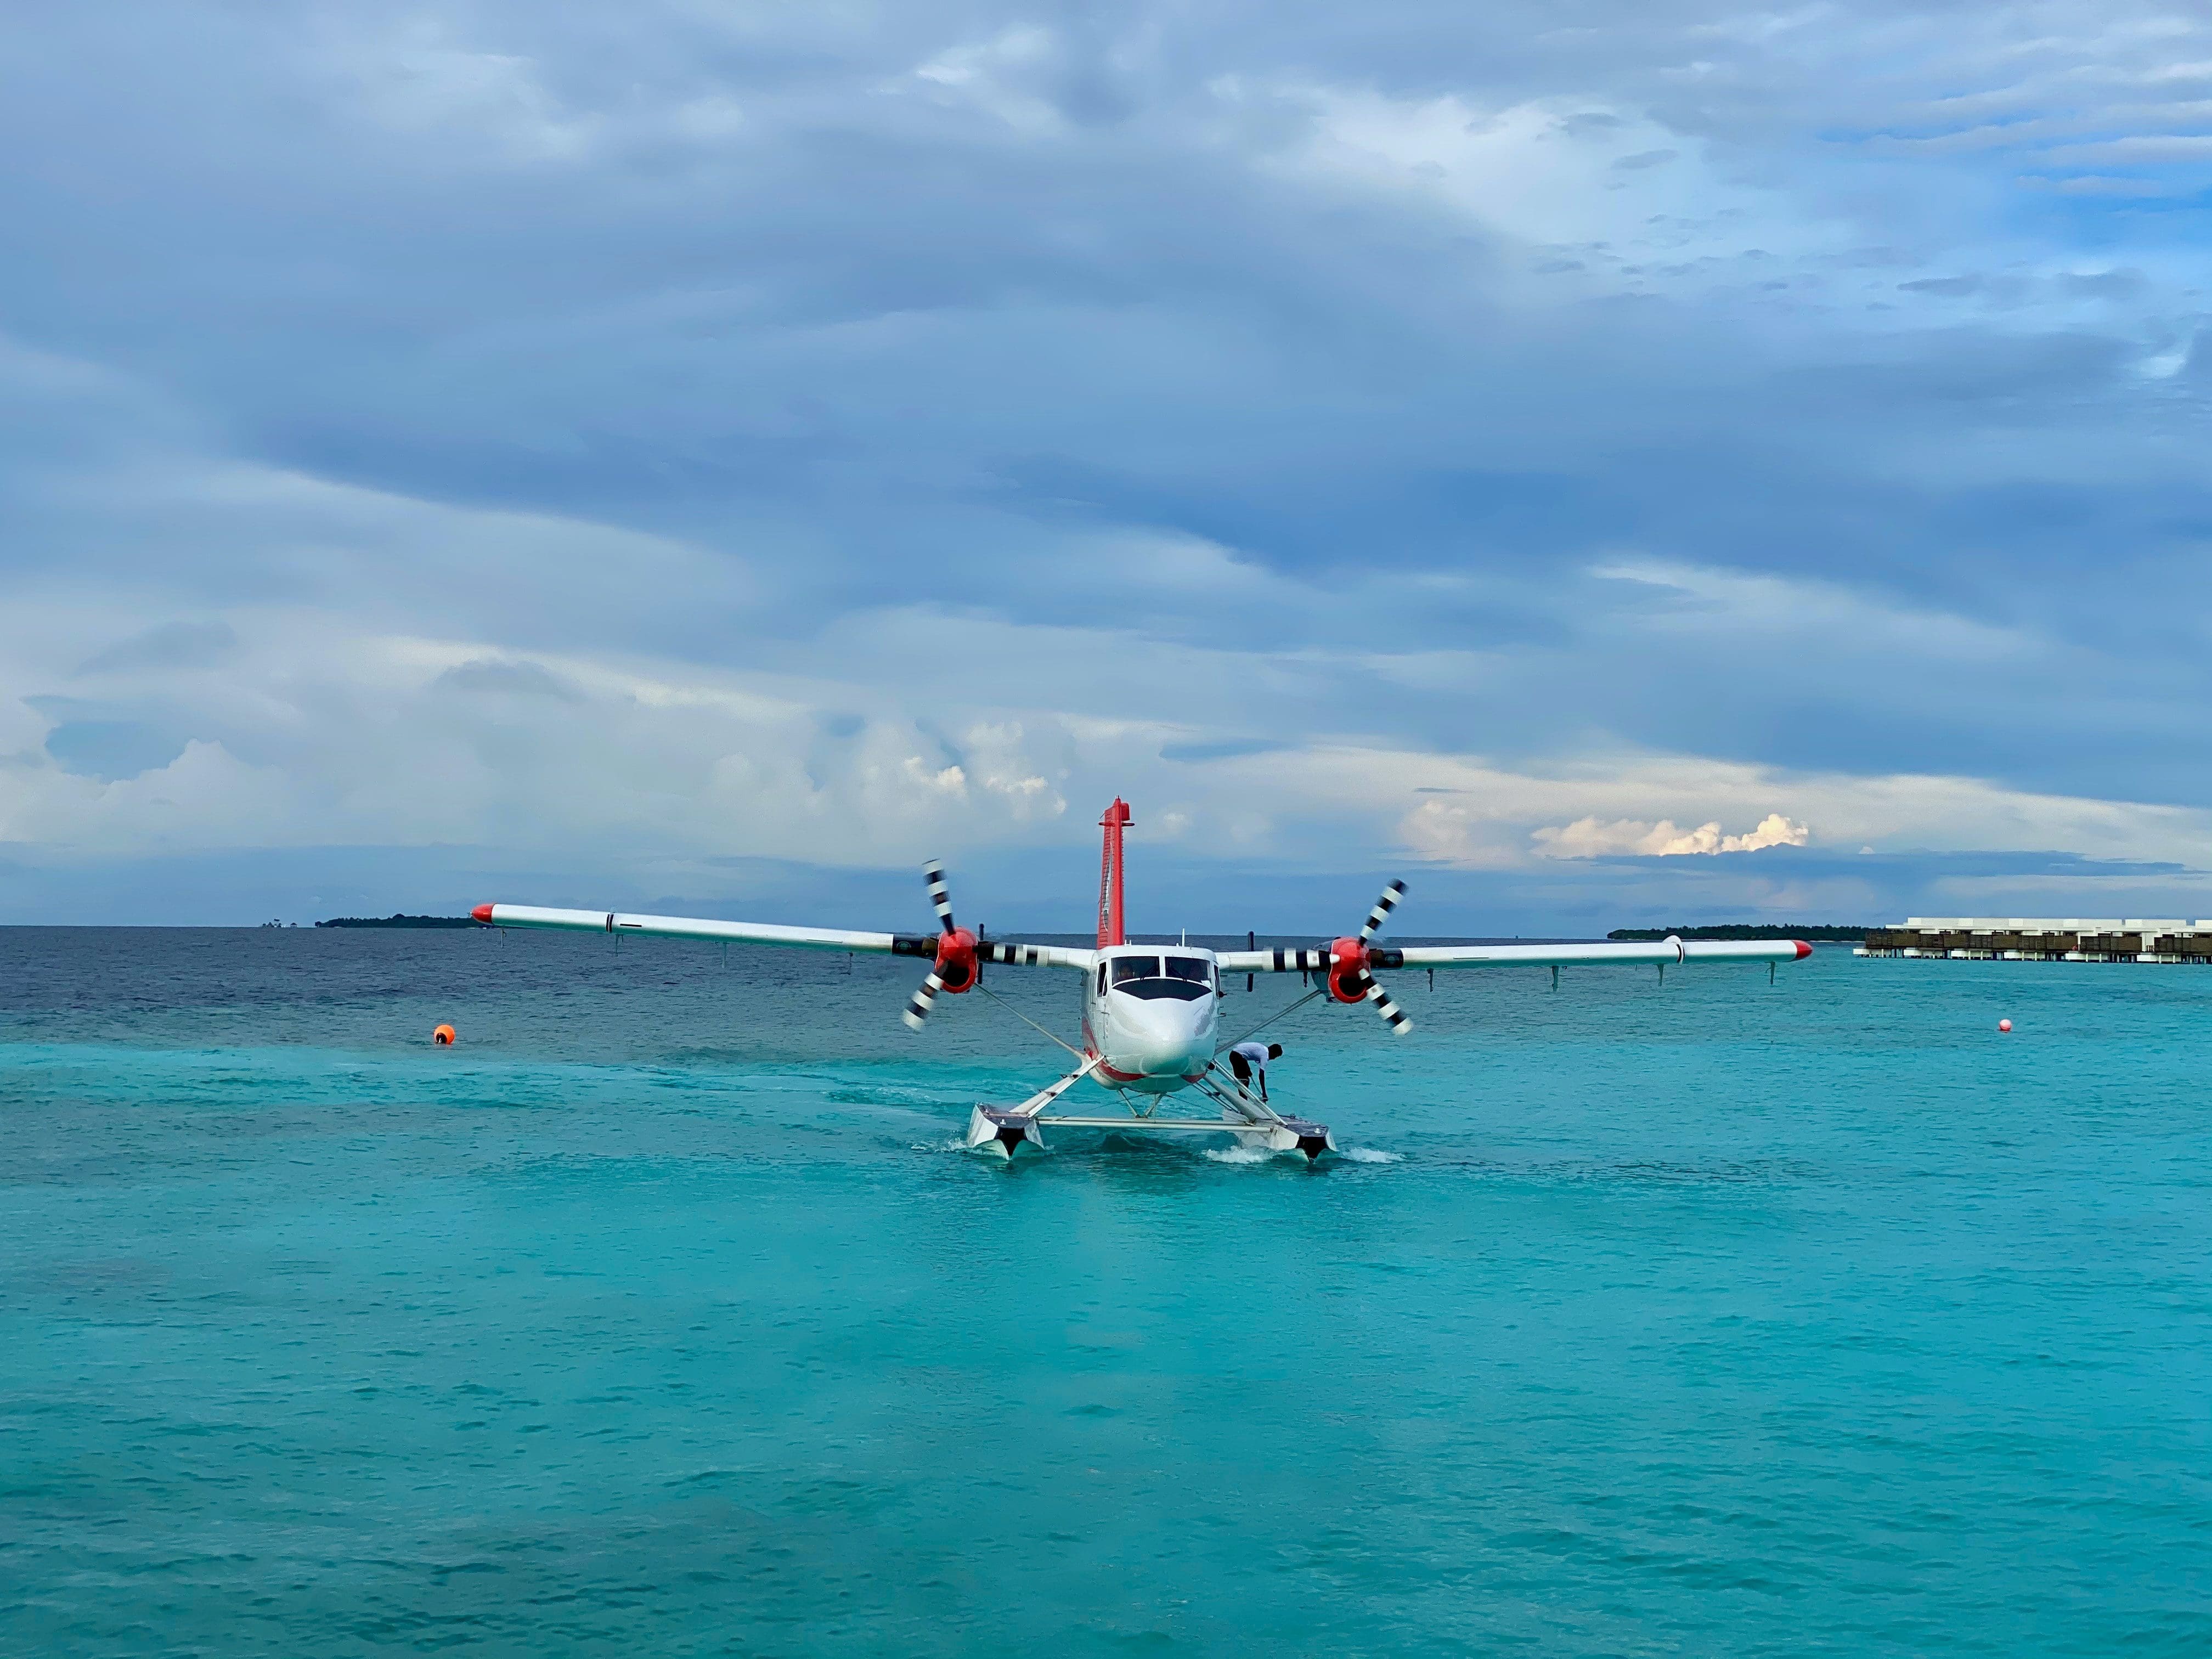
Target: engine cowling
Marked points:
1347	970
1351	964
955	960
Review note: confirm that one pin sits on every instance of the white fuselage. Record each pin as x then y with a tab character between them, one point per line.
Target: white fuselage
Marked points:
1152	1014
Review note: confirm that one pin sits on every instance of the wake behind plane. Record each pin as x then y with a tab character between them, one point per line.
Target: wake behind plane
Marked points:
1152	1014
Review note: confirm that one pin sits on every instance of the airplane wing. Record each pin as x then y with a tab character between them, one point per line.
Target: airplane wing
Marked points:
1662	953
756	933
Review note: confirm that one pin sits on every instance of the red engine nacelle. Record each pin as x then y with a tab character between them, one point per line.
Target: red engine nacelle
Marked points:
1347	970
955	960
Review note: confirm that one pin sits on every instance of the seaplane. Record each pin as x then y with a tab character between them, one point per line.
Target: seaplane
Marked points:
1152	1024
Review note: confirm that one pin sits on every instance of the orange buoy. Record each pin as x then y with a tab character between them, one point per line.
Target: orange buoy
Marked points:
443	1036
2004	1025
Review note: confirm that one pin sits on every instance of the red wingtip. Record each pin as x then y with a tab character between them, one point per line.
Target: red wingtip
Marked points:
482	913
1803	948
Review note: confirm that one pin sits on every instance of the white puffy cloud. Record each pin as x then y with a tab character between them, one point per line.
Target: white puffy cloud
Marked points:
1460	811
1589	838
1606	200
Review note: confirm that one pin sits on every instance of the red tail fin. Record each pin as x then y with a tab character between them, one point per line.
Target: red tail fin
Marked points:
1110	873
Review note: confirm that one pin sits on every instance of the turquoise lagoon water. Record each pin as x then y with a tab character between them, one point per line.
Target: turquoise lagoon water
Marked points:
661	1316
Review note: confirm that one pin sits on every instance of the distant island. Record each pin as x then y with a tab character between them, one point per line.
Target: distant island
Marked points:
397	921
1741	930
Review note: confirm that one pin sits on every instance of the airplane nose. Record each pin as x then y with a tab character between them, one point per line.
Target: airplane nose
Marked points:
1170	1039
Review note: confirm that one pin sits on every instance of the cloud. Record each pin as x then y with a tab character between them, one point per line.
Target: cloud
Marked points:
419	80
493	678
167	646
1587	838
398	739
805	435
1463	811
1551	174
988	76
110	751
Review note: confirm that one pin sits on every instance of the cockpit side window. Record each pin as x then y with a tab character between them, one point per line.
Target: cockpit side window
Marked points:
1102	979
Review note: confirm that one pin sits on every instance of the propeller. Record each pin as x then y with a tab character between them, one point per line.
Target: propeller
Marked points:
1351	963
923	999
1381	913
934	873
1392	1015
956	968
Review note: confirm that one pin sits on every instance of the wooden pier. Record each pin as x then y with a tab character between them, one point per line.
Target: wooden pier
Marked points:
2015	938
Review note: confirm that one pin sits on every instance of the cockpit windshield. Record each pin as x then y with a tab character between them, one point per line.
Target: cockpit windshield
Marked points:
1185	979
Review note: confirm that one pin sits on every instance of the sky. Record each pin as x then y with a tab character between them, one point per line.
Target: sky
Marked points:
1607	462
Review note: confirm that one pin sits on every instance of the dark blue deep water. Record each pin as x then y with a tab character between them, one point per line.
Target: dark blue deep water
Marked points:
660	1316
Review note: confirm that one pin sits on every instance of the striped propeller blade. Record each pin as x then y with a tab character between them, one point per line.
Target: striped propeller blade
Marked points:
934	873
1392	1013
1384	907
924	999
